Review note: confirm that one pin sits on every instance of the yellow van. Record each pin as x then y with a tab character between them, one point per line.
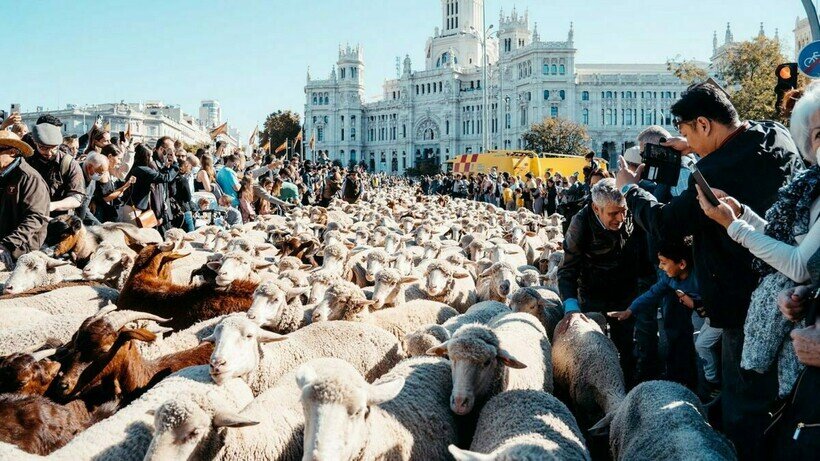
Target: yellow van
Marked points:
519	163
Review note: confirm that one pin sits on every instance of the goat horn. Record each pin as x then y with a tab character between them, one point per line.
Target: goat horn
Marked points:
110	307
40	355
121	318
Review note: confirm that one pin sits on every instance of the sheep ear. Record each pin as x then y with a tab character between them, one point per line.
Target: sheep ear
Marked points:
265	336
305	376
384	392
214	265
211	338
227	419
52	264
409	279
261	264
465	455
507	359
438	351
531	234
151	412
601	428
487	272
461	274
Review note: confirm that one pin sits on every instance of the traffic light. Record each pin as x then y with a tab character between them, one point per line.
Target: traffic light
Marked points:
786	80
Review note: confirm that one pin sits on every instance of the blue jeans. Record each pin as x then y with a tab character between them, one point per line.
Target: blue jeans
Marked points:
188	222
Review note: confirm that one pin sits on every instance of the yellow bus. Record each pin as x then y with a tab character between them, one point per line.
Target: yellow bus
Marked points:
519	163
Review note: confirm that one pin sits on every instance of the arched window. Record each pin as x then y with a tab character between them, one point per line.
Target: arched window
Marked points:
545	68
314	99
609	95
562	94
554	111
353	156
609	120
546	95
394	164
586	117
342	156
585	96
554	69
429	134
562	69
383	158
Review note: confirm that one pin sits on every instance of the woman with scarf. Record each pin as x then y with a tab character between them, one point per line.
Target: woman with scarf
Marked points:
783	243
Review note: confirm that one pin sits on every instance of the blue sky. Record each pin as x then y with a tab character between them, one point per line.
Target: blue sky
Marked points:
253	55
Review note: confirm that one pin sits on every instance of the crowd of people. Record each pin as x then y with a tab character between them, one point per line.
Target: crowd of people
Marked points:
735	275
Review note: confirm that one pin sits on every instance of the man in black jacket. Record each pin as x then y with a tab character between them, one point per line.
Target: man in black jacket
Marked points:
749	161
599	272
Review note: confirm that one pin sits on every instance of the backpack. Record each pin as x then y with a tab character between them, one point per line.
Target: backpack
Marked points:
65	164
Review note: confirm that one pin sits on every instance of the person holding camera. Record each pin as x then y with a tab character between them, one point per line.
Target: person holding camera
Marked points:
750	160
144	194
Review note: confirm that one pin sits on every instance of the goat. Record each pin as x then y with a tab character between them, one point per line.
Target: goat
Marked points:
70	238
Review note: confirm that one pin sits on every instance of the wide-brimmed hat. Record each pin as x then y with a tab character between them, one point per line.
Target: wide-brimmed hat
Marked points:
47	134
7	138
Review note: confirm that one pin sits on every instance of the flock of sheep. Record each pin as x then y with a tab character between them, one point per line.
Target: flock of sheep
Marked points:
404	327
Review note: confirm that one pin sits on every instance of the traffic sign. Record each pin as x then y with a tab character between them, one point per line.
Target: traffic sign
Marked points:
809	59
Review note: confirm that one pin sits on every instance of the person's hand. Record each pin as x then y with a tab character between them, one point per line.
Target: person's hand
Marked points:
722	214
626	176
686	300
678	143
792	302
13	119
806	343
6	259
620	315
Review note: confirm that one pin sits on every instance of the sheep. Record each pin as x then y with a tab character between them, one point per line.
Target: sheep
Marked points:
527	240
236	266
542	303
487	359
177	239
447	284
35	269
62	298
389	289
127	435
22	316
238	351
149	290
497	282
271	427
587	368
420	341
525	424
399	321
506	252
402	416
271	310
555	261
662	420
110	265
179	340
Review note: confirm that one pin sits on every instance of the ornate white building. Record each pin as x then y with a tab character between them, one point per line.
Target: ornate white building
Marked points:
437	112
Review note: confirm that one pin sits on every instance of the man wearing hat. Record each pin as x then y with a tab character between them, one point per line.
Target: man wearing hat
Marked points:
24	202
61	172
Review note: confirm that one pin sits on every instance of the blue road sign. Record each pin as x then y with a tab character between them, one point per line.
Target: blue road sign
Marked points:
809	59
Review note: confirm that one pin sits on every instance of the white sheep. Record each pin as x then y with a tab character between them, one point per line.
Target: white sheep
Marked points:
178	341
525	424
127	435
390	288
270	308
237	265
497	282
510	352
239	350
402	416
540	302
35	269
447	284
110	265
420	341
662	420
587	368
82	298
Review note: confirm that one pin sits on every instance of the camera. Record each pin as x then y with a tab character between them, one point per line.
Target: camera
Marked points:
661	164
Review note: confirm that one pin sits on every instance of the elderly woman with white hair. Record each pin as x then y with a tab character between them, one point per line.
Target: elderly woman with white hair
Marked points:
783	243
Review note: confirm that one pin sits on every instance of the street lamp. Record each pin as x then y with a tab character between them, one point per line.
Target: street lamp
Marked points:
485	113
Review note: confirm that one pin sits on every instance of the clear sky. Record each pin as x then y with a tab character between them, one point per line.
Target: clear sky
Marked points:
253	55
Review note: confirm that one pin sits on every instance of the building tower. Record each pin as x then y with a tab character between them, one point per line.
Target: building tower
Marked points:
460	15
210	114
513	31
347	123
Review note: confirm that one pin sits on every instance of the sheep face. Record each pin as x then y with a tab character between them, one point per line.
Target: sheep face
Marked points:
268	302
403	263
528	301
337	404
431	250
530	278
417	344
393	243
478	363
106	263
376	261
32	270
388	284
236	266
236	347
319	286
503	278
28	374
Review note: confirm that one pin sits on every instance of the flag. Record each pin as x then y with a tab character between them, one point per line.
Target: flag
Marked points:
297	139
282	147
221	129
312	142
128	131
252	141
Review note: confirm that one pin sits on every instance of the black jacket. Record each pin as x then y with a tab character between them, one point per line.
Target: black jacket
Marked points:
599	264
23	209
750	167
147	176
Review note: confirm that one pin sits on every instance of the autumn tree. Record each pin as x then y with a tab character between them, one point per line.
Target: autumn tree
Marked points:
279	126
688	71
750	79
557	136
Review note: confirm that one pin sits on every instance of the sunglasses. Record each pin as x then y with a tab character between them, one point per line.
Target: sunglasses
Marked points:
677	122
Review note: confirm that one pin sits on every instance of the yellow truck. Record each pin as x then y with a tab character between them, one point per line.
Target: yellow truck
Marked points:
519	163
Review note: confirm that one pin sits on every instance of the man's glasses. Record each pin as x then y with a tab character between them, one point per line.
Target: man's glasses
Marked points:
677	122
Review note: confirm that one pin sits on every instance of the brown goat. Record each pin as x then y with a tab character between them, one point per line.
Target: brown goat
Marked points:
123	372
70	237
27	374
37	425
149	289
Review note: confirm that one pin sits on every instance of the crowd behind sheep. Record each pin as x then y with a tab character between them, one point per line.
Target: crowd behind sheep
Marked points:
401	327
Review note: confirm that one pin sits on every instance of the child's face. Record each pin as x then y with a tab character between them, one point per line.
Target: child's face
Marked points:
673	269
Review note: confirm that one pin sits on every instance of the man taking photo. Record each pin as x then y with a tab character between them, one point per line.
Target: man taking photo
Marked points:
750	161
60	171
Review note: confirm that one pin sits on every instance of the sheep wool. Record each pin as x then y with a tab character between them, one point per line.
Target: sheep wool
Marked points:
421	340
74	298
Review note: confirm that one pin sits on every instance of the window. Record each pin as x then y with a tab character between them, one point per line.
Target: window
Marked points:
562	69
353	134
314	99
545	69
546	95
342	156
554	69
523	116
446	127
554	111
585	96
608	95
343	134
609	119
353	156
320	134
417	89
404	131
586	116
507	121
562	94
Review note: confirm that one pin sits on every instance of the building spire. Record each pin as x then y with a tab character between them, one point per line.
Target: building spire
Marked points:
535	37
729	37
762	32
571	34
714	42
777	34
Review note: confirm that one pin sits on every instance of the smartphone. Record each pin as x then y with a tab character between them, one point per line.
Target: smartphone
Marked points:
704	186
99	121
122	137
2	115
15	108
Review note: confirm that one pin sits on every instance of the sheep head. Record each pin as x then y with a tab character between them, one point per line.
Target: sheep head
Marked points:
440	276
417	344
107	263
236	266
236	352
388	284
478	362
31	271
376	260
503	278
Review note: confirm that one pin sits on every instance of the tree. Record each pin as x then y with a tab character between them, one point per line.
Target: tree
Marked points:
557	136
279	126
688	71
749	75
